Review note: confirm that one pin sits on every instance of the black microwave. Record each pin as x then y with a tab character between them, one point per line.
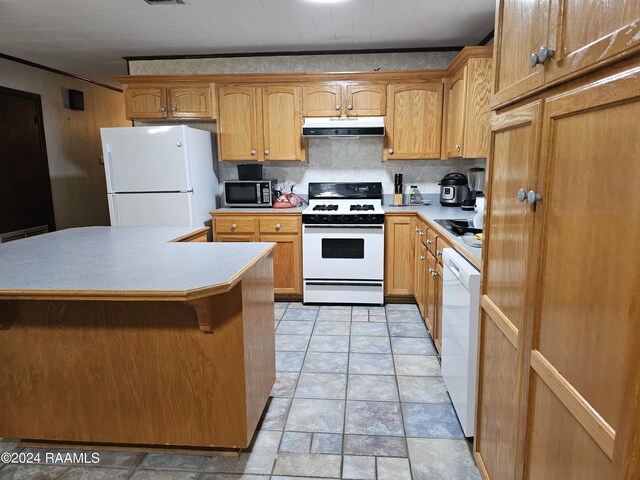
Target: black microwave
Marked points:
249	193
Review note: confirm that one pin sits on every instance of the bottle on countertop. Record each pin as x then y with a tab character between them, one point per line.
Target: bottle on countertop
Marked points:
415	197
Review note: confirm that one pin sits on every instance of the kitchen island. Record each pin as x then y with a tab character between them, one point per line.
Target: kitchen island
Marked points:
119	336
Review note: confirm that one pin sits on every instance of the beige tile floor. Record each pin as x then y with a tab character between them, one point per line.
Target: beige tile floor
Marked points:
358	395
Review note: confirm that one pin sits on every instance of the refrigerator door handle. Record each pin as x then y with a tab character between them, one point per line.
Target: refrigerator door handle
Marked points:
110	172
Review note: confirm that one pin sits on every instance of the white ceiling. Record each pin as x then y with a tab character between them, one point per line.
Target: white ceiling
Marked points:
90	37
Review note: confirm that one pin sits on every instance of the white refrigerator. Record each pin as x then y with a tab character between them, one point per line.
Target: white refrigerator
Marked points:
161	176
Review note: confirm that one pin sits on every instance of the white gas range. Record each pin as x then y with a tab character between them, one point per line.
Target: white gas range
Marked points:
343	244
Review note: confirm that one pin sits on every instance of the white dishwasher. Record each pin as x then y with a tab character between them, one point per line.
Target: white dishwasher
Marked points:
460	308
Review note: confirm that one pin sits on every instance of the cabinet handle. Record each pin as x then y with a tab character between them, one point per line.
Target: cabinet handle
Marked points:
337	107
438	253
234	226
174	109
431	270
422	234
458	147
429	242
277	226
534	60
422	257
390	151
434	273
533	197
417	230
163	109
349	107
545	54
522	195
267	152
253	152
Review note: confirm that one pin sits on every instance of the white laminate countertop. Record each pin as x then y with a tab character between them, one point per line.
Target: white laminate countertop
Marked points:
132	261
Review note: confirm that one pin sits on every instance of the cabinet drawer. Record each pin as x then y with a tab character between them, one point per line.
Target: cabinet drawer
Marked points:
234	225
431	240
279	225
440	245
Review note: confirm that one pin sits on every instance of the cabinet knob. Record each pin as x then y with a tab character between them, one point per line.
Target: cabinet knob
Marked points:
434	273
174	109
438	253
422	234
431	270
417	230
178	144
277	226
234	226
390	151
337	107
429	242
534	60
422	257
163	109
458	147
349	107
533	197
522	195
253	152
545	54
267	151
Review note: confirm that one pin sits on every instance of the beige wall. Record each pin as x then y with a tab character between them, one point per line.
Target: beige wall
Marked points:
73	140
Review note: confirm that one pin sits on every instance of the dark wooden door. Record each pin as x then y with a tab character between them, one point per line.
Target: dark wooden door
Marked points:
25	188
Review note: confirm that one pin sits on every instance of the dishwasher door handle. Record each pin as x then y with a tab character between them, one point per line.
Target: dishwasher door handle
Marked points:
454	269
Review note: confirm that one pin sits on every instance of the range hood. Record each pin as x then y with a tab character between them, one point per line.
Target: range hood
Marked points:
353	127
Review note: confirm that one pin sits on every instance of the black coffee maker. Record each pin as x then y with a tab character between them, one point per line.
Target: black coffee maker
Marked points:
476	185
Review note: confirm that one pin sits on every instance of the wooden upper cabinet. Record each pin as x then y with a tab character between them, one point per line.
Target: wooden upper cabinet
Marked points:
365	99
456	113
191	102
260	123
467	130
351	99
519	31
237	123
180	101
282	123
584	40
145	103
582	37
414	120
322	100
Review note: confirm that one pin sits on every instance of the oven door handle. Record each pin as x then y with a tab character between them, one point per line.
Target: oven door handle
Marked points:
375	227
350	284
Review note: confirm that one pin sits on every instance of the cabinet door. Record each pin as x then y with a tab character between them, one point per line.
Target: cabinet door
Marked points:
589	37
507	288
146	102
437	294
237	123
399	255
456	111
191	102
366	99
287	261
322	100
584	404
414	120
430	295
520	31
282	123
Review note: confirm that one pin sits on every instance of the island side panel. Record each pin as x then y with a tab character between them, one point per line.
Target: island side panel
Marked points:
132	372
259	338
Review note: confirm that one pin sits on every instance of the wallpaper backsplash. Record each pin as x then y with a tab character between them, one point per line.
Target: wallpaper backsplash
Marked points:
357	160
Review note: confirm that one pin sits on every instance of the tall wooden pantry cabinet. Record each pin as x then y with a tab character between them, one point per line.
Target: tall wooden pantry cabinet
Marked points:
559	374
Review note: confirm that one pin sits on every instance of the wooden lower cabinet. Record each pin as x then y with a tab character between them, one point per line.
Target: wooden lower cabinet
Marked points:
284	230
431	294
562	338
399	255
